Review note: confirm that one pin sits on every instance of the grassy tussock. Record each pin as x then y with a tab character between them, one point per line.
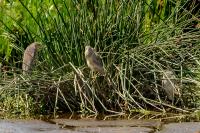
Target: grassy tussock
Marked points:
136	47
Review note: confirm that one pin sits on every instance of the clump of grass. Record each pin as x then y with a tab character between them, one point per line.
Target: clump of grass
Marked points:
135	56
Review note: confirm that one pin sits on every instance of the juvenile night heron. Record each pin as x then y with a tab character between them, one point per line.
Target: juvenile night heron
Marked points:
29	57
169	84
93	60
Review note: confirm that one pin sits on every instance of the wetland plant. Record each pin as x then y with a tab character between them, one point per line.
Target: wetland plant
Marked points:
137	40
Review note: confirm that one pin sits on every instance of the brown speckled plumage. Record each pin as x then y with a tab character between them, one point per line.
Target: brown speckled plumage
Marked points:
169	84
29	57
93	60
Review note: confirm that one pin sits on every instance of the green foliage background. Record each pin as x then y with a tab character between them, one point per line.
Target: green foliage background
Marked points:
77	23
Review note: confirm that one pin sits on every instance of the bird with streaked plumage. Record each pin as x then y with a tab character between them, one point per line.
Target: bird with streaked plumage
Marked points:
94	61
29	57
170	85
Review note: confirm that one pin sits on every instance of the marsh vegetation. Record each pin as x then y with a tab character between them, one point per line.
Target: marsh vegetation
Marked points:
139	41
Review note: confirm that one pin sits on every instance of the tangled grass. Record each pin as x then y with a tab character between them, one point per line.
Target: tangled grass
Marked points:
136	53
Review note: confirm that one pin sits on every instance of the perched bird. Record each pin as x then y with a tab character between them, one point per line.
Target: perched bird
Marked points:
29	57
93	60
169	84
